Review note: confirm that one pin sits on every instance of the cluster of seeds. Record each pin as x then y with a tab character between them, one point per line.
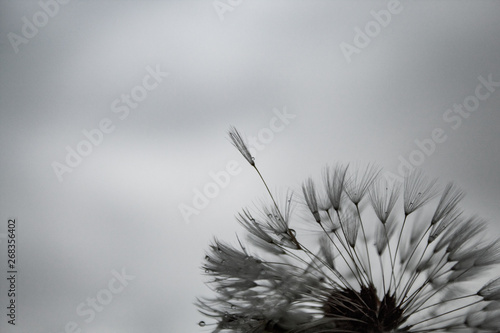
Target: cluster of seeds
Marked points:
372	256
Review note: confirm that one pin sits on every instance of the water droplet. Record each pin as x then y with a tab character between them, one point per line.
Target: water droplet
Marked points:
233	307
202	323
293	232
207	271
207	258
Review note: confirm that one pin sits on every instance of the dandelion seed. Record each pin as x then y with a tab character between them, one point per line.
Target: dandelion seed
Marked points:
490	255
308	189
490	291
493	306
351	226
486	322
450	198
241	145
358	184
327	251
384	233
384	198
417	191
254	228
403	274
465	234
437	229
334	184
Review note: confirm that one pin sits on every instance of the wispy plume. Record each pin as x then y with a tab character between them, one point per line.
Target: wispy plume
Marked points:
240	144
309	191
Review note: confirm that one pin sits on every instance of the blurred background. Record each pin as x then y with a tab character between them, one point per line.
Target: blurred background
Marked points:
113	133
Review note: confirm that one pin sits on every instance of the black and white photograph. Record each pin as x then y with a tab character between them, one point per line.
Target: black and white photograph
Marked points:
237	166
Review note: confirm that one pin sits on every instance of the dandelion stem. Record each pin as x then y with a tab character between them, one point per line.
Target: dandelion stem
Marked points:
346	248
390	258
366	244
411	256
340	252
383	274
268	191
410	299
294	240
443	301
349	251
447	312
396	251
447	327
432	293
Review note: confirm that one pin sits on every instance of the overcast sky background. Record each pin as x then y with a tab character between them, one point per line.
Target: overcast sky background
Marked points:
119	209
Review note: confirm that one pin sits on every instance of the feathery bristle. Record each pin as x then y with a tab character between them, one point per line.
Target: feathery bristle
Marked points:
241	145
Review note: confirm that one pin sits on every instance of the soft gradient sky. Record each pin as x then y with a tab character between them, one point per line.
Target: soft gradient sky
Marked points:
119	208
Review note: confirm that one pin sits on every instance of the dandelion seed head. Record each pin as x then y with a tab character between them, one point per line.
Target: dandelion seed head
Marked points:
382	265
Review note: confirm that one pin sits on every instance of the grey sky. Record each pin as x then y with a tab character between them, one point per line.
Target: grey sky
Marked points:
119	207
